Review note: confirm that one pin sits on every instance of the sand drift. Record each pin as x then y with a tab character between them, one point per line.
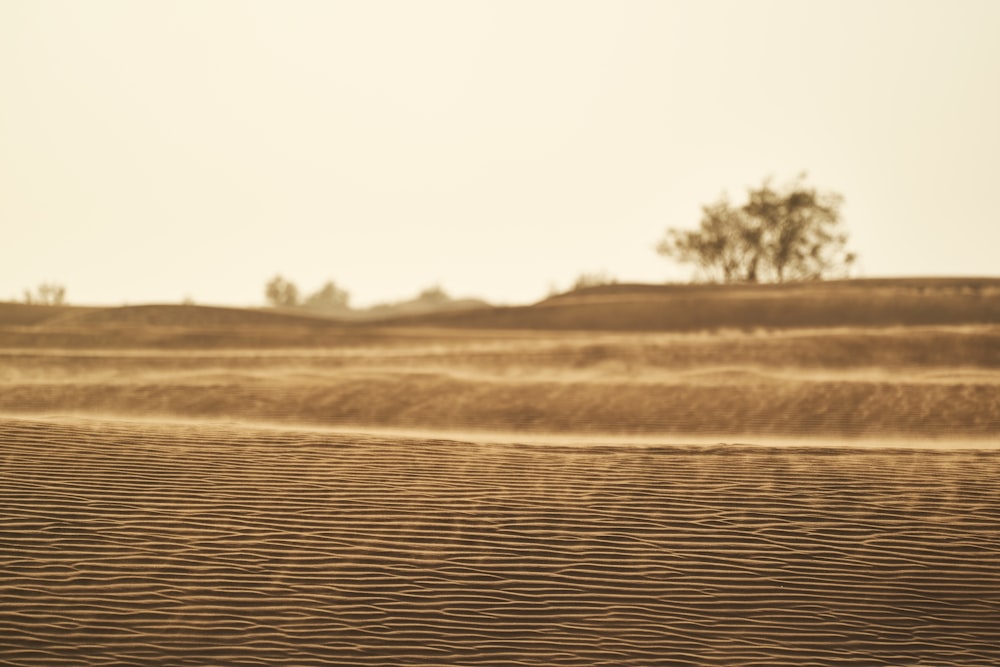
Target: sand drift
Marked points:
842	383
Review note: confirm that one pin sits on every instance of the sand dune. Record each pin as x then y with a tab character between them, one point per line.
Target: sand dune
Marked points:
183	316
875	303
932	382
845	409
855	303
26	314
194	545
194	486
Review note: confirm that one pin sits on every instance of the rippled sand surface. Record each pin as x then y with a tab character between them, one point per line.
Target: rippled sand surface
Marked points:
128	544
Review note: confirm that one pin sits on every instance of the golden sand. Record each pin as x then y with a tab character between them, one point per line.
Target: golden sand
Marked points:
182	485
191	544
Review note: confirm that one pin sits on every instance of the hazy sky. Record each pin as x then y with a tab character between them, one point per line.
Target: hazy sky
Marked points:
155	150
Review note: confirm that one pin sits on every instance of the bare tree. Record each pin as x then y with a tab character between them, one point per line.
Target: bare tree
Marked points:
790	233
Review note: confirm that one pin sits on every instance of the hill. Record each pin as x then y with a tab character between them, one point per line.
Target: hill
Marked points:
163	326
416	306
861	304
26	314
875	302
172	315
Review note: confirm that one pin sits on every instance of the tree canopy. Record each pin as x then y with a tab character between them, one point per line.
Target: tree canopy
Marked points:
329	298
789	233
280	292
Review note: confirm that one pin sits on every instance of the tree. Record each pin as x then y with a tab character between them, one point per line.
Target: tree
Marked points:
46	294
329	298
281	293
790	233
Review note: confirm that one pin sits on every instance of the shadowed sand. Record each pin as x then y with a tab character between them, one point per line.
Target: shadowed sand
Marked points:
178	544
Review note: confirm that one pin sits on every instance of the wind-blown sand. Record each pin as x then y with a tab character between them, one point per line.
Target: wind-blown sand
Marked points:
182	485
129	543
913	382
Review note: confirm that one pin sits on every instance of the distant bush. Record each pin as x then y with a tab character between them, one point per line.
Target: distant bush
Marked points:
281	293
329	298
433	294
594	279
46	294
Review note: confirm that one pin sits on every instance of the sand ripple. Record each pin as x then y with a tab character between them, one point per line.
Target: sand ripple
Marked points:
199	545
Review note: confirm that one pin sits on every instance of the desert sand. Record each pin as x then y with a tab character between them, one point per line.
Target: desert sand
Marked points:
188	486
193	545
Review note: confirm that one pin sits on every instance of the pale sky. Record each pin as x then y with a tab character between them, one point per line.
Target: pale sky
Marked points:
151	151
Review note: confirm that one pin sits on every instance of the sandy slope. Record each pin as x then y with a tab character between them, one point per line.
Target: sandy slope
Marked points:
856	303
916	382
195	545
876	303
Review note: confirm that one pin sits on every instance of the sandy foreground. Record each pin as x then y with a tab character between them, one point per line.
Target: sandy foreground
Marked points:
203	544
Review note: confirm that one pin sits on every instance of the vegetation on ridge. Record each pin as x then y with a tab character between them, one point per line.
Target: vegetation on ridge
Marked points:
779	234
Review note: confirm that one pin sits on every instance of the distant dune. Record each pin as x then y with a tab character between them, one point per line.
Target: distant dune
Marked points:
182	316
414	307
158	325
23	314
881	302
639	308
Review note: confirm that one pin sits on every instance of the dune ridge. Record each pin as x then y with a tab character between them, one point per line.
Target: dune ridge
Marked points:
856	303
860	303
210	544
